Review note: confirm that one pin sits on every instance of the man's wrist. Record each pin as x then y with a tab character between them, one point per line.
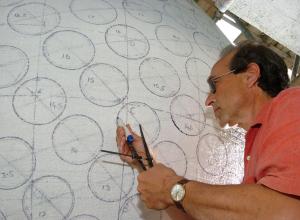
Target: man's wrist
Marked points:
169	183
178	193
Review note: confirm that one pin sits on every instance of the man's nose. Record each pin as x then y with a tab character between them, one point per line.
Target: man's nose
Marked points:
210	99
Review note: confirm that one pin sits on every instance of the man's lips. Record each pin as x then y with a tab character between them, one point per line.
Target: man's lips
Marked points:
216	109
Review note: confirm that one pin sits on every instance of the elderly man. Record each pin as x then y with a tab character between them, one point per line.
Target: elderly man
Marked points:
248	87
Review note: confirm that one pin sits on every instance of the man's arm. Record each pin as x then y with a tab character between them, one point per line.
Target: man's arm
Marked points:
176	214
251	201
205	201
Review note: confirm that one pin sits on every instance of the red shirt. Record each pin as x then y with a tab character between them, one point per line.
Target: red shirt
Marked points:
272	153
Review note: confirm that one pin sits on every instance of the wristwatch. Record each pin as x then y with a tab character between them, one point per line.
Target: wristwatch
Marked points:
178	193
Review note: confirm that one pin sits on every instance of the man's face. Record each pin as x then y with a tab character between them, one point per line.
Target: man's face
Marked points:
230	96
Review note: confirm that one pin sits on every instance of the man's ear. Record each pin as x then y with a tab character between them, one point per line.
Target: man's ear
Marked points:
252	74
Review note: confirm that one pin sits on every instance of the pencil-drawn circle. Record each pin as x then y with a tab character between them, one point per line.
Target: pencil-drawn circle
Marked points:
134	208
104	85
6	3
172	155
64	53
77	139
208	44
142	11
127	41
84	217
181	15
33	18
187	115
39	101
97	12
159	77
17	162
48	197
2	216
173	41
14	64
135	113
109	180
212	154
198	71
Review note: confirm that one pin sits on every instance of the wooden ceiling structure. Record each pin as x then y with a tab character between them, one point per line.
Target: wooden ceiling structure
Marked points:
250	32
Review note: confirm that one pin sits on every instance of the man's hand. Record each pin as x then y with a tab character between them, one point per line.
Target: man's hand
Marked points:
124	148
155	185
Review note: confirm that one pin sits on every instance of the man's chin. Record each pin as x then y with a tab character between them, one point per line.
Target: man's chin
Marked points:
221	123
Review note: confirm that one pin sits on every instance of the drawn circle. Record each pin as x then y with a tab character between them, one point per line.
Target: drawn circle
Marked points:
17	162
181	15
109	180
135	209
48	197
142	11
187	115
127	41
93	11
39	101
135	113
5	3
170	154
104	85
14	64
159	77
173	41
64	53
77	139
33	18
2	216
208	44
212	154
84	217
198	71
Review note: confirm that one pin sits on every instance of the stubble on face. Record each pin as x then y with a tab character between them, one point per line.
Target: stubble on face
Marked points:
226	96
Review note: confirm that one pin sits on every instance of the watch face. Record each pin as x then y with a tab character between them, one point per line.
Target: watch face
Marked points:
177	192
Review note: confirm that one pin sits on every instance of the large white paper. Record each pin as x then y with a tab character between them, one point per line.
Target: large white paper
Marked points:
68	69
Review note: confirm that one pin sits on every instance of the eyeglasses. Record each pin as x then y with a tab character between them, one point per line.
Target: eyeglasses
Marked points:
212	81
